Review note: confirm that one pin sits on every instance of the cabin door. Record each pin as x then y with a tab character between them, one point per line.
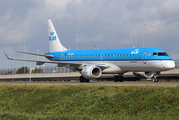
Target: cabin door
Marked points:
61	56
144	58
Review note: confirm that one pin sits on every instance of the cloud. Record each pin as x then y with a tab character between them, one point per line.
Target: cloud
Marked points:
84	38
104	23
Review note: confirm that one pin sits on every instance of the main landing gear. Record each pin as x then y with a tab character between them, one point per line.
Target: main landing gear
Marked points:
118	78
82	79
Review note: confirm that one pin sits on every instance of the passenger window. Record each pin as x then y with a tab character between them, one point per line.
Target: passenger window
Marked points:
126	55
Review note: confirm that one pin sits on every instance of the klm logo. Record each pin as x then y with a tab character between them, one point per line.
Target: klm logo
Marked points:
136	51
51	38
84	72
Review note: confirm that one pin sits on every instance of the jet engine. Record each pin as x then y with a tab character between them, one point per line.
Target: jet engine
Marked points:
146	75
91	72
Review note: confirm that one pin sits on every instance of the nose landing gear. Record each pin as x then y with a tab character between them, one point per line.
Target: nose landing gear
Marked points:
154	79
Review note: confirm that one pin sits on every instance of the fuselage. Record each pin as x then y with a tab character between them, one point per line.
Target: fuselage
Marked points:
126	59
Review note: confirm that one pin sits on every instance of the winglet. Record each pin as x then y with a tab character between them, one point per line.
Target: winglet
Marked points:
7	55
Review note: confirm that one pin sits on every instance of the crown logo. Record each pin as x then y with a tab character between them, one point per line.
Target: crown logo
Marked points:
51	33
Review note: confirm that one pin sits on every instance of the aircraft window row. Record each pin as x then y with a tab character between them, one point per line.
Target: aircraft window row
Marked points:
159	54
118	55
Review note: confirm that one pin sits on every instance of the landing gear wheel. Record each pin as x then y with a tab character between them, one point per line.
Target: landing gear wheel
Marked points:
116	78
82	79
155	79
86	80
120	78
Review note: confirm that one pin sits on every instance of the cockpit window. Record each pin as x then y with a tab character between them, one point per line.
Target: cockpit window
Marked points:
159	54
154	54
162	54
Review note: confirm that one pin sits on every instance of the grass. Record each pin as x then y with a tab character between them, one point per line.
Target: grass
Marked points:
88	102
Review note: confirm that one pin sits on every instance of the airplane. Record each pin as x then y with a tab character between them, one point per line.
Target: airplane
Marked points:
91	63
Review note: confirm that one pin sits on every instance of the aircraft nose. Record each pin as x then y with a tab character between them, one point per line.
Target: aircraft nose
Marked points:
170	65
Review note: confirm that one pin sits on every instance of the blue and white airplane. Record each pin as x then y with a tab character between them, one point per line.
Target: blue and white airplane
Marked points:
91	63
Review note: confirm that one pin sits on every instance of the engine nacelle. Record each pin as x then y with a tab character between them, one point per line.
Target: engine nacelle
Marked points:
91	72
147	75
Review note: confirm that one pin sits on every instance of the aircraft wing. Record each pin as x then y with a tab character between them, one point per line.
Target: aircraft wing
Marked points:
35	54
60	63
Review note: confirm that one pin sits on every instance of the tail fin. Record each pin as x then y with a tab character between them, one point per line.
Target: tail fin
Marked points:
54	42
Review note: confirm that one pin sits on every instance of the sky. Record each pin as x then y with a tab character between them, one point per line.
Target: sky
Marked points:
100	23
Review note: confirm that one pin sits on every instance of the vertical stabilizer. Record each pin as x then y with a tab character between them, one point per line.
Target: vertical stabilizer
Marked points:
54	42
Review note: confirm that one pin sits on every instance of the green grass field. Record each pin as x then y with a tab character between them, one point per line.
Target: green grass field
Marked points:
88	102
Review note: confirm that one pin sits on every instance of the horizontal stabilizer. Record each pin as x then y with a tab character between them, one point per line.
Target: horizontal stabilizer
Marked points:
35	54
